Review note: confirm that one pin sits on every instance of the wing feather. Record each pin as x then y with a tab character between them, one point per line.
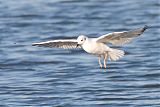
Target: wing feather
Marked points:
66	44
120	38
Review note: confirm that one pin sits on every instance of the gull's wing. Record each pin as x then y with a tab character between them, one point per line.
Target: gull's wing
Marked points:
120	38
66	43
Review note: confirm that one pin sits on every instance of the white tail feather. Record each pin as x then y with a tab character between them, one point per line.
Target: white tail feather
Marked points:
115	54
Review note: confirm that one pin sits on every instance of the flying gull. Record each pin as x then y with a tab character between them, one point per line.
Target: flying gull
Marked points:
97	46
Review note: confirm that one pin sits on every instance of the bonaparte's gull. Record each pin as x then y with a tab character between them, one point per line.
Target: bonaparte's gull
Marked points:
97	46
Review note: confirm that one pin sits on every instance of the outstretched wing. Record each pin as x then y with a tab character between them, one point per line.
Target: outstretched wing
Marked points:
120	38
66	44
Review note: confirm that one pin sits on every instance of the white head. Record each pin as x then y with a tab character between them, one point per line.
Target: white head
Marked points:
81	39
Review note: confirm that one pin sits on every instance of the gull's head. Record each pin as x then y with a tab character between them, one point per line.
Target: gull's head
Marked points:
81	39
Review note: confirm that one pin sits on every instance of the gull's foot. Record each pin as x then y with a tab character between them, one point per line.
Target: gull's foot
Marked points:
101	66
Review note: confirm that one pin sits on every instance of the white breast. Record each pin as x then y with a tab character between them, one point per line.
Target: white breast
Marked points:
93	47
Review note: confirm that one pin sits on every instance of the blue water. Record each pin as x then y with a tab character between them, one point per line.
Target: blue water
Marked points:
49	77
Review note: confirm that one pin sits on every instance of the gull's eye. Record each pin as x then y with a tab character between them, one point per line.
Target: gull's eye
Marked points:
82	40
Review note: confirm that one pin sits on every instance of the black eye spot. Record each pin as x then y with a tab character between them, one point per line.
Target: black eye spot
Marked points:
82	40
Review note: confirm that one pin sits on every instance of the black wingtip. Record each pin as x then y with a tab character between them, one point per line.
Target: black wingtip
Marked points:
145	27
34	44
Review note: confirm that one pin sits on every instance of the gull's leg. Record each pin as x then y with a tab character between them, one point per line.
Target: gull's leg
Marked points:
105	60
99	60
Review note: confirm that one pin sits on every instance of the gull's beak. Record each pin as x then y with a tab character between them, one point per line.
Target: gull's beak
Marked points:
77	45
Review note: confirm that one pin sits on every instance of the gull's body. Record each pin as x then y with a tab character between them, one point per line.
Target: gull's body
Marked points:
97	46
93	47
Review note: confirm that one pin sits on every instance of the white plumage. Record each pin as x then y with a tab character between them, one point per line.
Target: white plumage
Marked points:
97	46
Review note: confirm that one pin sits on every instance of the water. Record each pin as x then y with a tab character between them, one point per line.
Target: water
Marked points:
49	77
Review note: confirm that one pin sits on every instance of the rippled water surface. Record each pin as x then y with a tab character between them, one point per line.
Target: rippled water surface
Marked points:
50	77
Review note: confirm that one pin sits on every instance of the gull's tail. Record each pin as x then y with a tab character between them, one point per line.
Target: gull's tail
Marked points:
115	54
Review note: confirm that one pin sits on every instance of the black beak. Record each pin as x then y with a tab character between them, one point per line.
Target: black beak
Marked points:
77	45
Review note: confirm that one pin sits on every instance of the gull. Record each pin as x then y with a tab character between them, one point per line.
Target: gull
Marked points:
98	46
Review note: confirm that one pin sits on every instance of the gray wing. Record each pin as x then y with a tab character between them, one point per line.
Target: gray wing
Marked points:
120	38
66	44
